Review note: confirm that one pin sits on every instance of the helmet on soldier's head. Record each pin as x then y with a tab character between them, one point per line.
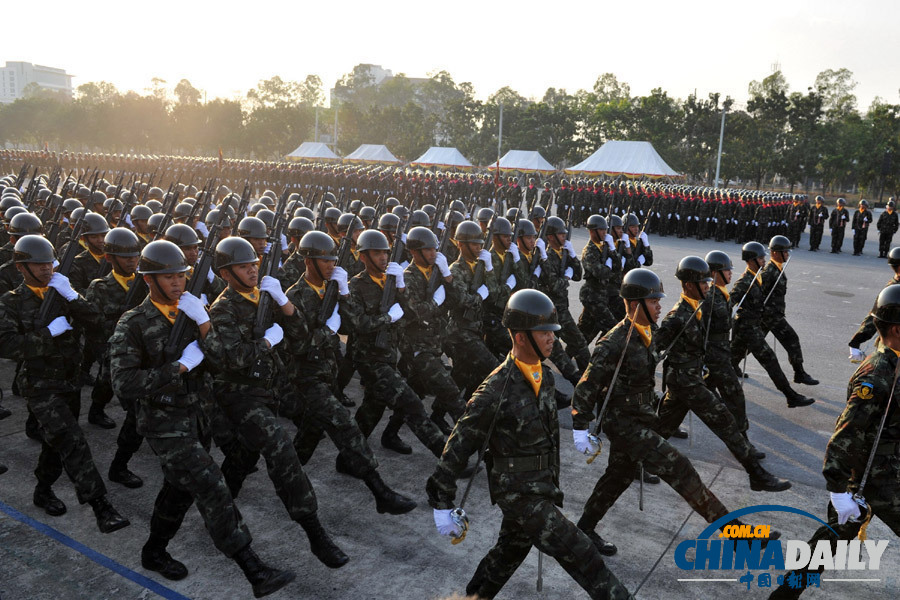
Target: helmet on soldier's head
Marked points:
890	203
97	197
484	214
693	269
538	212
389	222
317	244
121	242
329	199
512	214
430	210
458	205
864	203
779	243
530	310
631	220
213	216
640	284
367	213
33	249
400	211
372	239
419	218
252	227
70	204
347	220
355	205
155	193
526	228
391	202
421	237
597	222
94	224
140	213
182	210
332	214
555	225
267	217
234	251
616	221
25	223
718	261
299	226
305	212
469	231
182	235
894	257
820	199
887	307
752	250
841	201
154	205
502	227
161	257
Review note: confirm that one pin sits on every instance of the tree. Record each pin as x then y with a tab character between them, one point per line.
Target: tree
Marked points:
836	89
275	93
311	91
768	105
187	94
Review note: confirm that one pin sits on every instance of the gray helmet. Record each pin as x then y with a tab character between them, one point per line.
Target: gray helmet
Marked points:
779	243
419	218
332	214
400	211
94	224
469	231
24	224
389	222
121	242
718	261
502	226
693	269
372	239
234	251
484	214
616	221
347	221
299	226
631	220
894	257
538	212
526	228
317	244
161	257
530	310
367	213
421	237
555	225
182	235
252	227
887	307
640	284
753	250
33	249
140	213
597	222
305	212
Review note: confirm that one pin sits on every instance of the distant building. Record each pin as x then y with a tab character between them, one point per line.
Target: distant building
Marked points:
16	76
377	75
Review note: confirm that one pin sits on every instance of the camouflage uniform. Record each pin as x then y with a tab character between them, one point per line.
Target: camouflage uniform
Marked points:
10	277
291	270
555	284
630	423
523	478
247	401
48	380
496	337
722	378
597	263
170	416
773	315
86	268
867	329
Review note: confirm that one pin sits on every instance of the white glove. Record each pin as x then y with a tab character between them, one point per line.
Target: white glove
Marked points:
127	220
444	523
403	237
856	355
440	294
645	240
514	250
568	246
668	216
511	282
609	263
274	335
626	240
582	441
537	271
441	226
440	261
677	217
397	271
846	507
272	286
485	257
334	321
193	308
542	246
482	291
192	356
204	299
60	283
396	311
201	227
340	275
284	243
569	273
210	276
59	326
641	260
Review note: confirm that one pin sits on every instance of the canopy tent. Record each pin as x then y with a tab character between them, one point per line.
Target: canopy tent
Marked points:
529	161
437	156
631	159
372	153
312	151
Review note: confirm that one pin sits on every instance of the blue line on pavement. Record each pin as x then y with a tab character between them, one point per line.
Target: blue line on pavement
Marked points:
100	559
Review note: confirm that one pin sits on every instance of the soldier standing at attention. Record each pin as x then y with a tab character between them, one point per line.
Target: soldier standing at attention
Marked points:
170	416
818	216
862	218
838	224
887	227
513	414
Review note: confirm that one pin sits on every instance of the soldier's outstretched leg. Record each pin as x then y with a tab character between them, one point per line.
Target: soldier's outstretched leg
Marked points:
595	320
752	340
576	345
789	339
127	443
101	394
428	375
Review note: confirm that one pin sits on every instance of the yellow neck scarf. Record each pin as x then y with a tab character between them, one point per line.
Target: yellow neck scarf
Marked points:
780	265
320	289
426	271
724	292
252	295
123	281
169	311
645	332
38	291
379	280
694	304
533	373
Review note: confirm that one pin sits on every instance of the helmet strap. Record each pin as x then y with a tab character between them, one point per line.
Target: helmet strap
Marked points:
159	289
237	277
315	263
646	310
534	345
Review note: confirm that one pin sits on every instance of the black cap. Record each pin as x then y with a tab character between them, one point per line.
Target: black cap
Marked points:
317	244
121	242
641	283
693	269
161	257
530	310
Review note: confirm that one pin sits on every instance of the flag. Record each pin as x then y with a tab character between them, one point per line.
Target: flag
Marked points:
221	158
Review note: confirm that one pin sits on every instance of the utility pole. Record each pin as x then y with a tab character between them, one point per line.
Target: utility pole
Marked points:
500	134
719	157
317	124
334	140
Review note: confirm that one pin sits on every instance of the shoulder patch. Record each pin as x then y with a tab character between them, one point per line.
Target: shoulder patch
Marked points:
864	391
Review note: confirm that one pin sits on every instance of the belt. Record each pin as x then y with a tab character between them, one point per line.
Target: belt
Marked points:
888	448
646	397
688	364
520	464
724	336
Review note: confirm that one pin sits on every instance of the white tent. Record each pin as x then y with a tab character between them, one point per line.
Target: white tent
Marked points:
312	151
632	159
529	161
442	157
368	153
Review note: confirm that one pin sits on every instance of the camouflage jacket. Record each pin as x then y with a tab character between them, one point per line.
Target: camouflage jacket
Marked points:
467	310
526	426
109	297
10	277
424	326
524	270
553	280
291	270
316	355
718	347
776	304
628	404
6	252
84	270
598	263
366	320
49	364
854	432
244	363
495	303
866	330
682	330
751	310
211	289
168	402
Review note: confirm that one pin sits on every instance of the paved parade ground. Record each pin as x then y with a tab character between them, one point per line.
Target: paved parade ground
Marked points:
403	556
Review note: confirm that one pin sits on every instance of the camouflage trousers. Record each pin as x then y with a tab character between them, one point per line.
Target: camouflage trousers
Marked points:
102	393
883	501
535	521
595	319
429	376
496	337
859	240
129	440
318	413
576	345
711	410
385	388
723	380
191	475
749	337
64	445
632	445
259	433
787	337
472	360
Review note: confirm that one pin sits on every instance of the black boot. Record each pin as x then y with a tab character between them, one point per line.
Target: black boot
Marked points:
4	412
321	544
342	467
648	476
96	416
155	558
738	372
795	400
46	499
262	577
108	519
754	451
603	547
391	440
437	417
119	473
386	499
680	433
32	429
801	376
3	469
763	481
343	399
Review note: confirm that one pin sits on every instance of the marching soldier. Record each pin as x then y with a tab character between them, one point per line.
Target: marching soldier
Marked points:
171	417
817	218
887	227
513	414
48	378
502	249
598	259
862	218
838	224
867	329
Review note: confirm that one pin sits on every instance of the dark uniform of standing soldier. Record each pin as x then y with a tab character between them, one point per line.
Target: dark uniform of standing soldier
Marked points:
171	417
867	329
838	224
502	250
48	378
887	226
862	218
598	260
818	216
513	414
858	428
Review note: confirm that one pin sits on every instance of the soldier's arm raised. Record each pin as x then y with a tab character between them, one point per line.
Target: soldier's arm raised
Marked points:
597	376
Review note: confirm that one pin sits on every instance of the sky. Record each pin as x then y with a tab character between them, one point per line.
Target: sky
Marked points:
226	48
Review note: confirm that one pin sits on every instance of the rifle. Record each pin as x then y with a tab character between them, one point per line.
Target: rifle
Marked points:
509	263
565	256
128	205
536	256
167	215
21	176
320	216
242	206
390	289
434	280
28	196
478	276
52	302
53	232
330	298
269	267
